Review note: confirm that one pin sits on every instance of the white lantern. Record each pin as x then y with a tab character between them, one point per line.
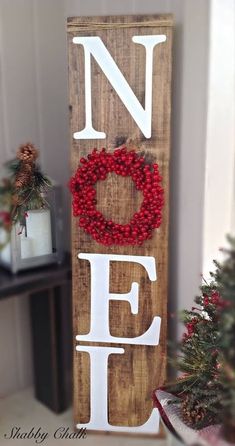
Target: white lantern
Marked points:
37	240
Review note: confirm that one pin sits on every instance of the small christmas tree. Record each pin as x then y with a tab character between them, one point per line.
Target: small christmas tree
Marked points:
224	277
199	388
206	357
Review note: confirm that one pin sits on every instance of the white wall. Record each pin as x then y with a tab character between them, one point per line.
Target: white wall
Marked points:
33	85
15	345
219	206
18	123
50	45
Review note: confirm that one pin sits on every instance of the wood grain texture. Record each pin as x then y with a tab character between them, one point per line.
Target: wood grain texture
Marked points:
132	376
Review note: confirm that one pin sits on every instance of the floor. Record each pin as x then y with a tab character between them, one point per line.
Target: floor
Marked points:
21	410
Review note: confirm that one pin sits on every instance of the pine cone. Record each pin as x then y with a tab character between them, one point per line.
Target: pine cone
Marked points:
192	413
23	178
27	153
15	200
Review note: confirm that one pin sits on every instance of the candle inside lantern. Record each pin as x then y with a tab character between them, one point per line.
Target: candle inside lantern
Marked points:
5	253
38	226
26	247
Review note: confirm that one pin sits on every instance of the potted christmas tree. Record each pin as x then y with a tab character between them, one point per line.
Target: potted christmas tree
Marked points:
201	404
224	278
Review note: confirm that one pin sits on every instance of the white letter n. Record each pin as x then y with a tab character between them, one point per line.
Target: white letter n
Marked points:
142	116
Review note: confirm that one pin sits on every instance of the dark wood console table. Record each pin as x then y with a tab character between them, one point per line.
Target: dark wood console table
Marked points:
49	290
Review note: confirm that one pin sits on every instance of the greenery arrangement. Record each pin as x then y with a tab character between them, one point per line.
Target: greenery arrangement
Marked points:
23	189
206	354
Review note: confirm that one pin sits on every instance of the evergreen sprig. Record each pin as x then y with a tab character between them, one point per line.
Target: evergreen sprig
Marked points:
24	189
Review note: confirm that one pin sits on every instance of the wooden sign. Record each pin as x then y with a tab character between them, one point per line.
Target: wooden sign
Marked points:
120	96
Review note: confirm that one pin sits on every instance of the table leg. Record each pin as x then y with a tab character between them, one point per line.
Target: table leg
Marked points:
51	322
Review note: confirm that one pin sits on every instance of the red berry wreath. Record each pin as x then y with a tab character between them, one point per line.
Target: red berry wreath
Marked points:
146	177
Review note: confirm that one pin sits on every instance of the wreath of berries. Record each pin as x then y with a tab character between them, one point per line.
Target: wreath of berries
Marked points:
126	163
